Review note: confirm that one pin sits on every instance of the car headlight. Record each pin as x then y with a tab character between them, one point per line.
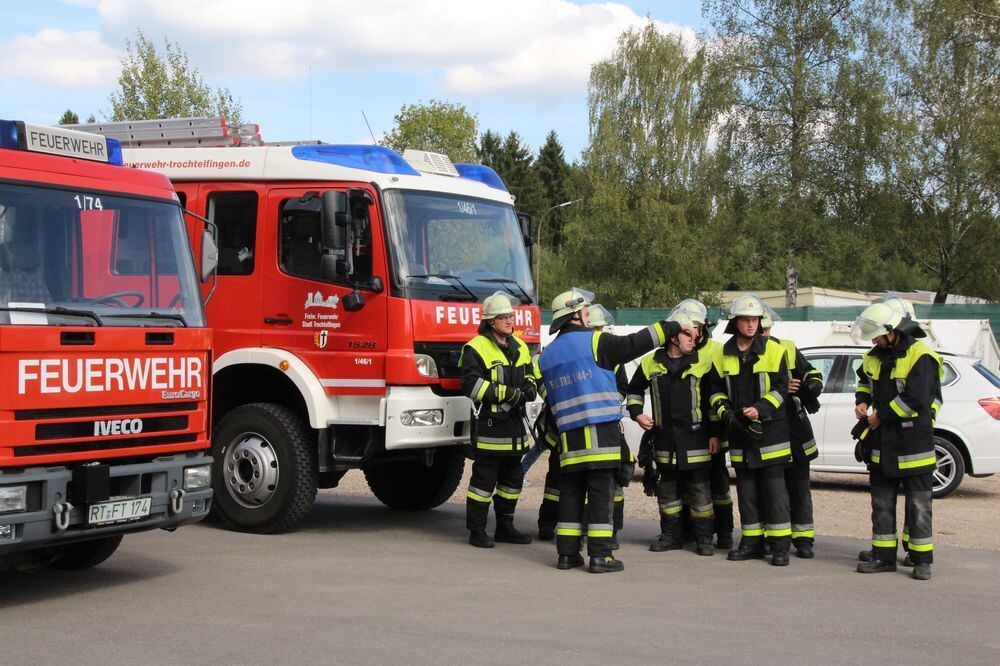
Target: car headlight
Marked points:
13	498
196	478
426	365
422	417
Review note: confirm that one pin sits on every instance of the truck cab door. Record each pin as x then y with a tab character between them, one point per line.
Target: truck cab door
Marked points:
304	312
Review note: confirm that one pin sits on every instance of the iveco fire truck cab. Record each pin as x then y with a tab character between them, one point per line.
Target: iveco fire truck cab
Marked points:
104	354
349	279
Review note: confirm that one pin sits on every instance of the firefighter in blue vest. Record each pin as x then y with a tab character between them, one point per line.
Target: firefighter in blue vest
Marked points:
497	376
722	499
749	387
577	368
805	384
683	445
898	395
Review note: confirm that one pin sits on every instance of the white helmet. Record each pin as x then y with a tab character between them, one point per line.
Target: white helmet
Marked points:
745	305
695	309
874	321
496	304
770	316
600	317
566	304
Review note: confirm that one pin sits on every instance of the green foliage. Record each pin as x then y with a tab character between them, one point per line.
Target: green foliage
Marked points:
554	175
439	127
488	151
515	164
69	118
165	85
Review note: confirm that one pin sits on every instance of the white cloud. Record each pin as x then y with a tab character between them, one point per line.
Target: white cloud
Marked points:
60	58
534	48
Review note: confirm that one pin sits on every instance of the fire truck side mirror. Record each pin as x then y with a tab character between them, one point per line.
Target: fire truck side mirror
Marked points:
337	236
209	255
524	220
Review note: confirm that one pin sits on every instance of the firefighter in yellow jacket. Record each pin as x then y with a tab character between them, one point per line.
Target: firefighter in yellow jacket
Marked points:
898	397
496	374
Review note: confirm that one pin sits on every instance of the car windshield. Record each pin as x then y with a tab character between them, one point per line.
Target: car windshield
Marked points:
452	247
81	258
985	372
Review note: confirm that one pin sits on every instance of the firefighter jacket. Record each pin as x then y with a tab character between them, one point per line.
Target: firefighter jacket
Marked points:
755	378
679	394
903	386
499	381
803	403
577	370
707	349
544	429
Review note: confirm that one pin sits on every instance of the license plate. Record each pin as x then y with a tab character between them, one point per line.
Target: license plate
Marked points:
119	511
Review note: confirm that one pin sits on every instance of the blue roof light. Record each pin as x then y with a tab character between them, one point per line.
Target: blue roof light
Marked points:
115	152
482	174
368	158
8	135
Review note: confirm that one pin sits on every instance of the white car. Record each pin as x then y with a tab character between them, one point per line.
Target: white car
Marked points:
967	429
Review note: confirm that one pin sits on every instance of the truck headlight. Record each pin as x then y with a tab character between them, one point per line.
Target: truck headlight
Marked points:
426	365
196	478
7	533
13	498
422	417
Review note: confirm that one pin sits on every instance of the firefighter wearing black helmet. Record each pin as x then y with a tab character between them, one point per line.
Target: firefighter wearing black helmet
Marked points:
749	387
497	376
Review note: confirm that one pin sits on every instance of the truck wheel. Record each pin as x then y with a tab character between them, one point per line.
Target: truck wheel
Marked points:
950	468
413	486
265	469
85	554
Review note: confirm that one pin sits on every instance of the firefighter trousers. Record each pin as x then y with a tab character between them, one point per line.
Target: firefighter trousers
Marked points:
722	501
917	532
764	488
548	512
586	496
696	488
496	479
619	511
801	501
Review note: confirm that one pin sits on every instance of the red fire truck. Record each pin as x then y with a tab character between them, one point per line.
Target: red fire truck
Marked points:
349	279
104	353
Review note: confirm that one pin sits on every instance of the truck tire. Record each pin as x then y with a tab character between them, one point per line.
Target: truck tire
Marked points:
950	467
85	554
413	486
264	474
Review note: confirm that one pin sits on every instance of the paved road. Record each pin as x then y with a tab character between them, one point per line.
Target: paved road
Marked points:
362	584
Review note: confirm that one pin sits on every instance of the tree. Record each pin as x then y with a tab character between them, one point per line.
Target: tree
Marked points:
165	85
640	237
490	145
515	164
69	118
439	127
554	178
786	55
945	138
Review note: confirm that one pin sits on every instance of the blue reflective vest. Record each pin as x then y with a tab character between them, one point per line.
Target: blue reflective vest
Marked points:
579	392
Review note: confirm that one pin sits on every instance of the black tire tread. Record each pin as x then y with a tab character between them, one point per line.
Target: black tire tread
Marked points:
393	484
303	494
86	554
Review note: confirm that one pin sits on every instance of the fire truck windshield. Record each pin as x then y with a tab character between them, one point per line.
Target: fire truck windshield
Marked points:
73	257
451	247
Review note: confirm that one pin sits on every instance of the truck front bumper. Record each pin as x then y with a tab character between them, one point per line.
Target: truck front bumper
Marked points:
455	417
51	521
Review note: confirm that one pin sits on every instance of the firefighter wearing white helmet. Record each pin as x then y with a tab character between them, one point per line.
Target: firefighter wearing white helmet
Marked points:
676	449
749	387
805	384
497	376
897	400
722	499
577	369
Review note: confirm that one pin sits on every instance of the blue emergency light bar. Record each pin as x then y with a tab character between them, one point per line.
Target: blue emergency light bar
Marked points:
16	135
368	158
482	174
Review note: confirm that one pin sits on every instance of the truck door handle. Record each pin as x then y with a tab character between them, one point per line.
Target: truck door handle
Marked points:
281	320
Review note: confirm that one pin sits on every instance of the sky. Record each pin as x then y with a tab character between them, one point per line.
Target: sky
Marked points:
307	69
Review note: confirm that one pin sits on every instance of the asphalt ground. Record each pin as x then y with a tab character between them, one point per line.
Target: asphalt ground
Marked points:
359	583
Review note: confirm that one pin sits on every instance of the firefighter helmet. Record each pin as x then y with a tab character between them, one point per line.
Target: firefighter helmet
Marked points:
745	305
566	304
496	304
874	321
600	317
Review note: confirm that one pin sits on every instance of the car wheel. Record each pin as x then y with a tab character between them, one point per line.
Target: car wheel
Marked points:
950	468
85	554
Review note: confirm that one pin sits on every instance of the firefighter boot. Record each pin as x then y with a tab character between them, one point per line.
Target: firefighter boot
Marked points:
779	554
921	572
546	533
507	533
480	539
747	551
605	565
570	561
876	566
865	556
804	549
670	535
724	525
704	546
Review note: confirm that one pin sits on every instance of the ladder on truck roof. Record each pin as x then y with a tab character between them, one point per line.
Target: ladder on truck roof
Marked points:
176	133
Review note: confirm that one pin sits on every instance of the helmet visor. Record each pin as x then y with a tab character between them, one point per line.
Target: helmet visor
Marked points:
599	316
866	330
